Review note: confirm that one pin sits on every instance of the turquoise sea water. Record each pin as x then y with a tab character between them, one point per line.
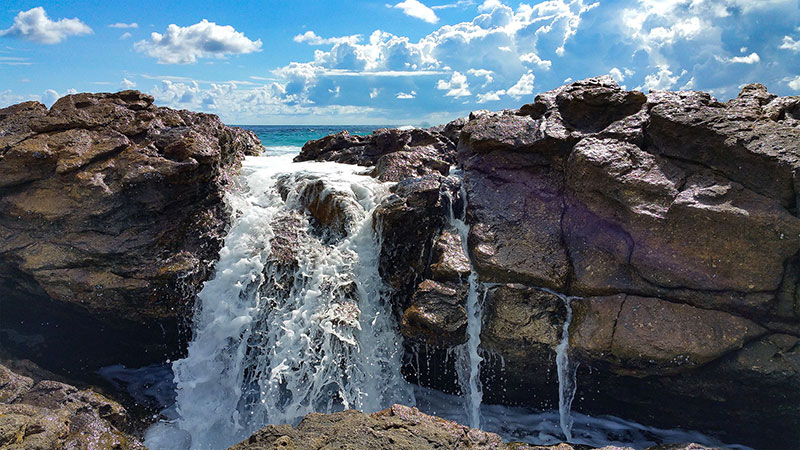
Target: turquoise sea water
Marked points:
285	139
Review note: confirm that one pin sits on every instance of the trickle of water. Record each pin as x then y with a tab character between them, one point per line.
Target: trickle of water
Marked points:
278	337
468	361
567	384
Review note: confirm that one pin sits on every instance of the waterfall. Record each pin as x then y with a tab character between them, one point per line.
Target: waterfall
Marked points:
468	360
294	320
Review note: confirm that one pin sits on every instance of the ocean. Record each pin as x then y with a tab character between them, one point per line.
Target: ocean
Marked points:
288	139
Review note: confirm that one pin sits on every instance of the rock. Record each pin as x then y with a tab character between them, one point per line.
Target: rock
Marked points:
647	336
407	222
51	415
111	215
523	326
449	261
396	154
504	246
397	427
436	315
673	215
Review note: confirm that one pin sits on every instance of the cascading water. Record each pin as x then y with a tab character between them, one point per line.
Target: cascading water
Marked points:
566	369
468	359
290	324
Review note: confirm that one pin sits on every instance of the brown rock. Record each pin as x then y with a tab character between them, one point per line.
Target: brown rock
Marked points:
53	415
449	261
436	315
111	210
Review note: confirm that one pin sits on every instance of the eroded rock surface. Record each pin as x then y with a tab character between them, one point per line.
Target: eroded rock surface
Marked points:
50	415
111	216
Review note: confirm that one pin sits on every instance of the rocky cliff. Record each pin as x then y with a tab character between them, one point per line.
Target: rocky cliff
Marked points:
669	221
111	216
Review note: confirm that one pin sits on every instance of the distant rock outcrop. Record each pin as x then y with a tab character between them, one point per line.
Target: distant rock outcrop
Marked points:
111	216
671	220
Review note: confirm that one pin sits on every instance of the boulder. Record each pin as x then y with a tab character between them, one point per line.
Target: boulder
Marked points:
111	216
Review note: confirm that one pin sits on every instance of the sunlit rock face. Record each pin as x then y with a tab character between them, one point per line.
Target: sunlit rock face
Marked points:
111	215
669	217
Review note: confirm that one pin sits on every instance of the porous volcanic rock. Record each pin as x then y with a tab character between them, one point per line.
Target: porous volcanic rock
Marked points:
111	217
670	219
49	415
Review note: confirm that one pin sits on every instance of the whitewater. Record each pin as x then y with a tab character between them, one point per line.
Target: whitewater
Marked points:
277	337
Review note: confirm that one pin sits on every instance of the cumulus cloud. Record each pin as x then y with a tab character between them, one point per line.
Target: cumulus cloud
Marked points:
34	25
406	96
124	25
482	73
661	80
184	45
456	87
534	59
311	38
125	35
414	8
523	87
752	58
790	44
794	83
127	84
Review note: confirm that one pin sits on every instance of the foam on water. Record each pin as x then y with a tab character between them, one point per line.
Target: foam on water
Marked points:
272	344
544	428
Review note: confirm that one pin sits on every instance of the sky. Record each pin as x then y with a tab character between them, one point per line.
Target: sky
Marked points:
412	62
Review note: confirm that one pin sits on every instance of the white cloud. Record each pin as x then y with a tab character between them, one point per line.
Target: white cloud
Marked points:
373	93
523	87
184	45
489	5
34	25
458	4
491	96
127	84
482	73
533	58
790	44
617	75
456	87
414	8
661	80
752	58
405	96
125	35
689	85
311	38
124	25
794	83
14	61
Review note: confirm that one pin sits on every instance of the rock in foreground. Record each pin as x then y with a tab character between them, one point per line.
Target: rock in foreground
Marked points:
396	428
51	415
111	216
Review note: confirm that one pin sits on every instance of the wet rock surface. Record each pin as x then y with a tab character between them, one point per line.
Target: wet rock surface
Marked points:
50	415
111	217
670	217
397	427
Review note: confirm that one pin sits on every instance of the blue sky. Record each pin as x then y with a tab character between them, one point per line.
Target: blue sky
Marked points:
401	62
